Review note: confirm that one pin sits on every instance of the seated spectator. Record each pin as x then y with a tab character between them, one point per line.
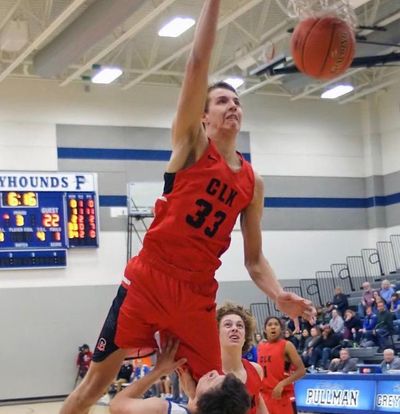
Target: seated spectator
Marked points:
124	376
288	335
251	354
384	325
324	350
386	292
395	305
377	297
258	338
352	326
140	370
309	357
390	361
367	299
323	315
337	322
368	329
344	363
83	360
339	301
305	339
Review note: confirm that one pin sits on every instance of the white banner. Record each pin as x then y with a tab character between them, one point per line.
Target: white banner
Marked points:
47	181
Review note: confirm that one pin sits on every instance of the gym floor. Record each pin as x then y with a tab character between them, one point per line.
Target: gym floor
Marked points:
45	408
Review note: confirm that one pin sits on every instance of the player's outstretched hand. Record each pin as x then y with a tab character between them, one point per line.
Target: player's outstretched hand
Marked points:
166	363
295	306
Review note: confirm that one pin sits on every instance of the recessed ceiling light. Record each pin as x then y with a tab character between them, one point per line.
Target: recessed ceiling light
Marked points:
176	27
234	82
106	74
336	91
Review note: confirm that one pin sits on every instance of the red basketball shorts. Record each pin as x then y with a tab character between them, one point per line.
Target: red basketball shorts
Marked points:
156	301
284	405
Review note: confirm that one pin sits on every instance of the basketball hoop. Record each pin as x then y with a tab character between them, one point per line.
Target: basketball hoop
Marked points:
303	9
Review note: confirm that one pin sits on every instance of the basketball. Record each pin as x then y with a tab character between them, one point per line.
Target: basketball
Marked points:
324	47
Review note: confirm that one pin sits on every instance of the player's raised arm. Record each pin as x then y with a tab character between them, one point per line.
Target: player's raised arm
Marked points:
257	265
187	129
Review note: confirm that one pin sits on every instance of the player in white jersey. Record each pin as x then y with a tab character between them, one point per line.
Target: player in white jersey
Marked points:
213	394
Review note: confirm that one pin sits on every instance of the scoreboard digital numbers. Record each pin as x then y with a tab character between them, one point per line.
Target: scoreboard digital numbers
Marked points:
43	214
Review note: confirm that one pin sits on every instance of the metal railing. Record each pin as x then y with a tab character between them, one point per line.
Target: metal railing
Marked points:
395	240
386	257
341	277
309	290
326	285
372	263
260	312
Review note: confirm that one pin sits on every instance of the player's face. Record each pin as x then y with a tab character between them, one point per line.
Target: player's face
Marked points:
208	381
273	329
232	331
224	110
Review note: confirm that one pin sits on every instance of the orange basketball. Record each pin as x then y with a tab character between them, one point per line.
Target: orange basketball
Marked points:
323	47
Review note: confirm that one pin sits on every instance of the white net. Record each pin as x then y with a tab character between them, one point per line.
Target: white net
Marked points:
302	9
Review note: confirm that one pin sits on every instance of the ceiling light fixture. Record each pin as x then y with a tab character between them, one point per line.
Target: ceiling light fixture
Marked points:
106	74
234	82
336	91
176	27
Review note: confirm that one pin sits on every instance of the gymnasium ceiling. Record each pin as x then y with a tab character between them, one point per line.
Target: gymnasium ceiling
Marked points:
66	37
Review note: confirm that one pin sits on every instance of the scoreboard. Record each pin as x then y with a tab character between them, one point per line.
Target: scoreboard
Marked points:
45	212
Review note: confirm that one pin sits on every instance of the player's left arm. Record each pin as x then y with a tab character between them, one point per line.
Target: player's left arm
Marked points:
130	400
291	355
257	265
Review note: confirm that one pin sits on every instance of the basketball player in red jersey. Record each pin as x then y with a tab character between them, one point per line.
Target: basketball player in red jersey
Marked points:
170	285
282	366
236	330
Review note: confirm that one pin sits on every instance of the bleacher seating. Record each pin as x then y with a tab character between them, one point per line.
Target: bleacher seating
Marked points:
372	265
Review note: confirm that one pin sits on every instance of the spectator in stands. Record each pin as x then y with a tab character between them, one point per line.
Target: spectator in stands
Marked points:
140	370
344	363
384	325
309	357
288	335
386	292
251	354
124	375
368	329
352	326
377	297
258	338
83	360
390	361
395	305
337	322
325	347
323	315
367	299
297	328
305	339
395	311
339	301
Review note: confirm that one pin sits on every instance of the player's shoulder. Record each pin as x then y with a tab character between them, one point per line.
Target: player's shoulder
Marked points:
258	368
174	408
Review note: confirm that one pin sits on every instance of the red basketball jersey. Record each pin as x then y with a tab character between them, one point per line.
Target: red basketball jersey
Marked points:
271	357
196	214
253	385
